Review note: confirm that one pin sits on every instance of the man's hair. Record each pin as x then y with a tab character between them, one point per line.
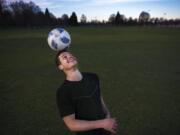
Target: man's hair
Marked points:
57	61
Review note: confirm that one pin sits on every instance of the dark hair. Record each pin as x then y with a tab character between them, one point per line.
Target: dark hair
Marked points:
57	61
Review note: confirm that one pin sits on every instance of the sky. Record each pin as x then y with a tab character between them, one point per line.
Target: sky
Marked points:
102	9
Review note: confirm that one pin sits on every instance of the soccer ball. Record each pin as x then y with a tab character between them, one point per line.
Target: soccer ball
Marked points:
59	39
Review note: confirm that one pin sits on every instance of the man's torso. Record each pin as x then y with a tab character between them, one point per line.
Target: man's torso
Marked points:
86	100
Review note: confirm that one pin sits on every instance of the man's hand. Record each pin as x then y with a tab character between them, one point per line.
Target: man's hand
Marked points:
110	124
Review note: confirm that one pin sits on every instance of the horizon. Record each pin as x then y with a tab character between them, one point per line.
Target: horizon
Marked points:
102	9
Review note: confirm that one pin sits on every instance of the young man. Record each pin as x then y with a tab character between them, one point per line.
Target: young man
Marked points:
79	100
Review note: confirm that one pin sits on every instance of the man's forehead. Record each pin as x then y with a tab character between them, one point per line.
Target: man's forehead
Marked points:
64	53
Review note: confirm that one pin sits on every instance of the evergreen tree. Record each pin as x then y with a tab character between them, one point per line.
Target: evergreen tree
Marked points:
47	13
50	18
47	17
73	19
118	19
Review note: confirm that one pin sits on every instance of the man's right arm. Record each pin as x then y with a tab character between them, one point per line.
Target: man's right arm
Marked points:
76	125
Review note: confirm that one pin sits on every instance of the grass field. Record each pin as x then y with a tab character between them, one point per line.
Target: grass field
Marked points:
139	68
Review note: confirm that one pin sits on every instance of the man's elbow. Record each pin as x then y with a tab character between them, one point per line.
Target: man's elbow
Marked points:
72	127
70	122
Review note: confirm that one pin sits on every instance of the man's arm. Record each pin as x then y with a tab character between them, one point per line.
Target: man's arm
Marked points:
75	125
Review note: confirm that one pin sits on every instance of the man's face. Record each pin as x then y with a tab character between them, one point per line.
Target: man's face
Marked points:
68	61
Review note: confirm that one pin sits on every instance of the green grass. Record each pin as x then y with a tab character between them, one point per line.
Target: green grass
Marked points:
139	70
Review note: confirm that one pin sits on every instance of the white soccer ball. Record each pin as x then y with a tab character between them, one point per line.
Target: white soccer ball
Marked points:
58	39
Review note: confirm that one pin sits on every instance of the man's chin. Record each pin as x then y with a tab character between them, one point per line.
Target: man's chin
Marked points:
74	65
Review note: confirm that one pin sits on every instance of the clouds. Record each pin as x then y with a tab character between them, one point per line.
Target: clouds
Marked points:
103	8
57	3
101	2
117	1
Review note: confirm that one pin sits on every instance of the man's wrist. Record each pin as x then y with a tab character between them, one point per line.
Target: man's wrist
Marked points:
101	123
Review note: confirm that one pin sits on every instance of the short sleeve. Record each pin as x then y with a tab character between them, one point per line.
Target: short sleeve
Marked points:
64	103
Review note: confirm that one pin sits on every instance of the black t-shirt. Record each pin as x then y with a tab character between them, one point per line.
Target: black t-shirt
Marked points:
83	99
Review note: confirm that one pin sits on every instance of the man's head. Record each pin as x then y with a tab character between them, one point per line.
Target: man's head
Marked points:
65	60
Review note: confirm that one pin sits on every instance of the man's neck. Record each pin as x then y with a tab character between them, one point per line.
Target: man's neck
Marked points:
74	75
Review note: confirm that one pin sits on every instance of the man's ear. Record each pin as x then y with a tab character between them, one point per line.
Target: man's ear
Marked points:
61	67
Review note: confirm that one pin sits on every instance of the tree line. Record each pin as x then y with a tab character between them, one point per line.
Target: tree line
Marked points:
28	14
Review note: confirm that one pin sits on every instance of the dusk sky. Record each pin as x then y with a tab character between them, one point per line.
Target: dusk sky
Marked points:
102	9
